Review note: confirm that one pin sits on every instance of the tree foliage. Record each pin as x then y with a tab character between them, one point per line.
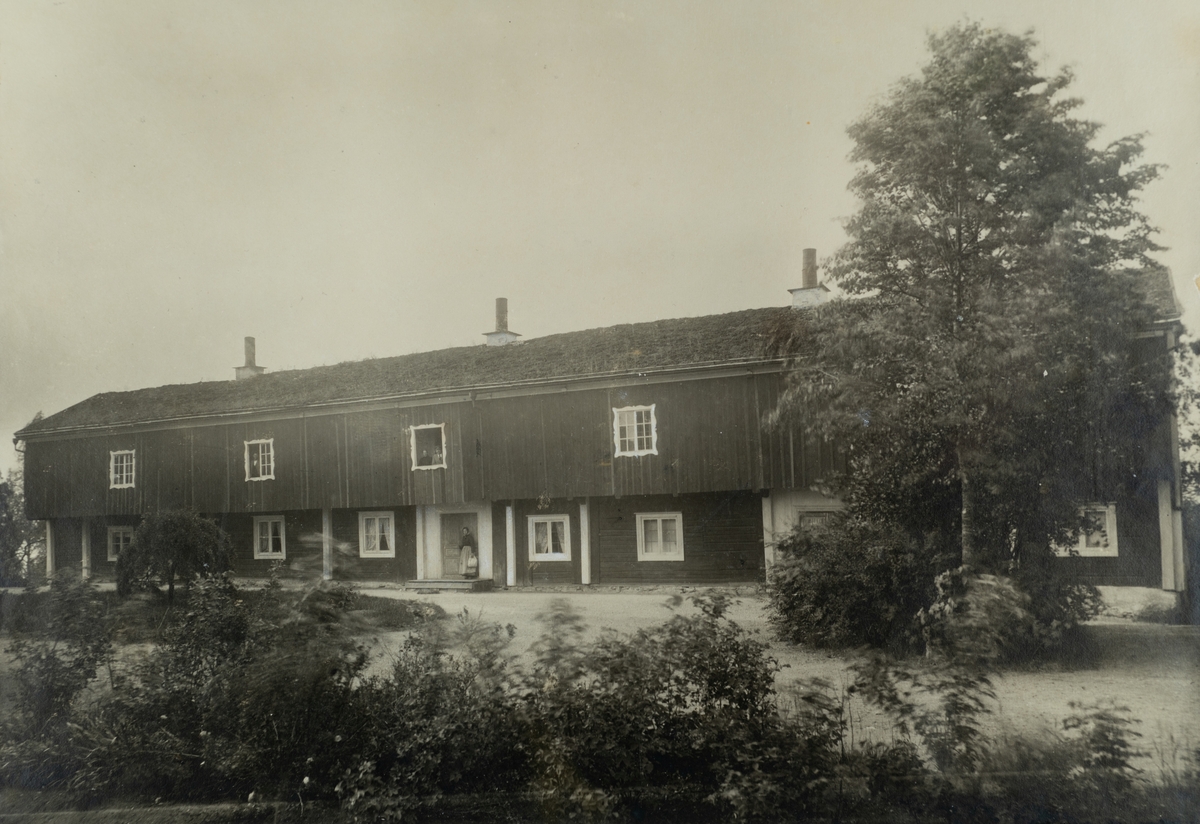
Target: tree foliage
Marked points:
170	546
984	368
20	539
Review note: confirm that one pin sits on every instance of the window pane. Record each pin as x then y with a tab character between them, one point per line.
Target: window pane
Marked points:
370	535
1095	529
650	536
277	537
264	537
540	538
670	543
556	532
384	531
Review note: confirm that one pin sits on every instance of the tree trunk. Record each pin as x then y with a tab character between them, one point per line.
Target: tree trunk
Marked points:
970	551
170	584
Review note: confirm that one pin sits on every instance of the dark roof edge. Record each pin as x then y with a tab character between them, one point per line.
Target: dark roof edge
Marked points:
529	384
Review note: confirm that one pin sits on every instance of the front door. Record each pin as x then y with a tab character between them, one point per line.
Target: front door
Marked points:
453	538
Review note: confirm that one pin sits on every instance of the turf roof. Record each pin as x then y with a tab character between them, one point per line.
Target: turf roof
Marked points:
734	337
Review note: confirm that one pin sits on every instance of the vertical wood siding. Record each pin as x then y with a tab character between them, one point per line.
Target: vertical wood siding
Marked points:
722	539
557	445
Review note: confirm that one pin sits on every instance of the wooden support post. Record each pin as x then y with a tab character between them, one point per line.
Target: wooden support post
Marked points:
768	522
49	550
510	547
85	548
327	544
585	545
1166	535
420	543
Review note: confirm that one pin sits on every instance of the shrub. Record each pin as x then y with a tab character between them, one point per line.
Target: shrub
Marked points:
851	583
61	653
171	545
61	642
444	721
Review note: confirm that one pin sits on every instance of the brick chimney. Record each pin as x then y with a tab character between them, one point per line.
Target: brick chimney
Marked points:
250	369
811	292
502	335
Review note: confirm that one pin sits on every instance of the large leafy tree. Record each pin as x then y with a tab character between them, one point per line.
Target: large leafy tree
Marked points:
982	368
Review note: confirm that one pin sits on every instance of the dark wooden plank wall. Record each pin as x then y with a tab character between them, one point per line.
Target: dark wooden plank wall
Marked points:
546	572
722	539
560	445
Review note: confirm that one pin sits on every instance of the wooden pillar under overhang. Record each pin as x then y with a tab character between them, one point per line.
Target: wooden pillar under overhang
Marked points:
585	545
49	549
327	544
1170	539
768	522
85	548
510	547
420	543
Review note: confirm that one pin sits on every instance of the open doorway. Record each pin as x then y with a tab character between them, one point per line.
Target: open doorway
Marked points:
454	538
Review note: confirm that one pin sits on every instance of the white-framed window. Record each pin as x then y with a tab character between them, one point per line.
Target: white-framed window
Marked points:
122	467
635	430
260	460
428	442
119	539
660	536
376	535
814	518
1098	538
549	537
270	538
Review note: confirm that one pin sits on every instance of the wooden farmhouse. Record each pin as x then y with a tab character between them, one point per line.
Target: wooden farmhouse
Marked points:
624	455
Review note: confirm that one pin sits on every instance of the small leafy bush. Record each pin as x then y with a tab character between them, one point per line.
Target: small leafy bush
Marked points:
60	652
60	647
172	545
851	583
443	722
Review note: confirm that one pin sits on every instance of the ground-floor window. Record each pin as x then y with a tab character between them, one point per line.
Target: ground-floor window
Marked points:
809	519
660	536
270	540
549	538
119	538
376	535
1098	538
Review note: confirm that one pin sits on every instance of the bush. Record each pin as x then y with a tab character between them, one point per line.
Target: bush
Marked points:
171	545
60	652
443	722
851	583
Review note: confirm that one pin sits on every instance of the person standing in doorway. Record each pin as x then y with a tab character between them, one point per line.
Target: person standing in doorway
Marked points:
468	555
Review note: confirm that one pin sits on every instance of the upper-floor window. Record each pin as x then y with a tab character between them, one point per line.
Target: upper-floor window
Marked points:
635	430
119	539
270	538
376	535
1098	538
121	468
549	538
660	536
260	460
428	443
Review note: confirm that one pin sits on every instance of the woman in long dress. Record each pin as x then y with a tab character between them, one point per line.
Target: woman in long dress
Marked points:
467	551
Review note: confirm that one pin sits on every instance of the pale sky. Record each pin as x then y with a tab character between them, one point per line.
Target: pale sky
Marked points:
357	179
